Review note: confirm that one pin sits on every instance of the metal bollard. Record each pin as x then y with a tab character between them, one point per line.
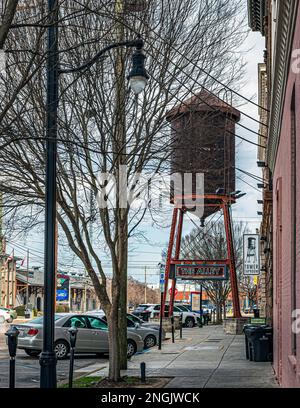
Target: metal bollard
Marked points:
73	336
143	372
12	341
180	324
173	329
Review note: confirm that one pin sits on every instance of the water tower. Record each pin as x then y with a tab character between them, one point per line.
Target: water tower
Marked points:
202	142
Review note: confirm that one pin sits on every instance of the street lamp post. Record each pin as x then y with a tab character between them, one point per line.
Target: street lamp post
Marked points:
138	79
48	357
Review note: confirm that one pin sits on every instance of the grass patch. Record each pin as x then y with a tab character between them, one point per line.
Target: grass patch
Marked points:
134	382
125	382
83	382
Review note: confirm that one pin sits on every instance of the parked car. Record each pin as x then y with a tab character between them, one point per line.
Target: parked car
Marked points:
12	312
92	336
149	334
5	315
142	311
189	319
152	325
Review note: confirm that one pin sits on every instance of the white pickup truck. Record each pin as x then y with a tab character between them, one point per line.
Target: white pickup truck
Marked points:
189	319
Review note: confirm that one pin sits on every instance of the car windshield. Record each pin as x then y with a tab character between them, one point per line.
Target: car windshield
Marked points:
143	307
182	308
134	319
130	323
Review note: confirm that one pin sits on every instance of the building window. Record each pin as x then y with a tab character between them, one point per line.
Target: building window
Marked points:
293	214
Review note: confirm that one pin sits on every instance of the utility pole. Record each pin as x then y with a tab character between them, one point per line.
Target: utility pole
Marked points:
10	277
145	284
27	280
85	279
8	284
201	310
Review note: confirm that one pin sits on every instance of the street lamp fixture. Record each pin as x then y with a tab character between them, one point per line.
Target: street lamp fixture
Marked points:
138	76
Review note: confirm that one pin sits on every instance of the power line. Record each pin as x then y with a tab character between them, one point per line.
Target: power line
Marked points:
250	185
234	134
187	59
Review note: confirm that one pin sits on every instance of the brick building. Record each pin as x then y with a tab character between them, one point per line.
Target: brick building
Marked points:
279	23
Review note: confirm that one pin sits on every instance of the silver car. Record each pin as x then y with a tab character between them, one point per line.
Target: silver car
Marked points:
142	325
92	336
148	333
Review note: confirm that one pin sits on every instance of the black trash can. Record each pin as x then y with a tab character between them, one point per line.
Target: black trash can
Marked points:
247	330
260	340
256	313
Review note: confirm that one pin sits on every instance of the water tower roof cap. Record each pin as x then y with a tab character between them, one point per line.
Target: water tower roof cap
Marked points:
203	101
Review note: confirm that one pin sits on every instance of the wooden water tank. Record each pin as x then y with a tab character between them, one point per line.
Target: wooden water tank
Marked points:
135	5
203	141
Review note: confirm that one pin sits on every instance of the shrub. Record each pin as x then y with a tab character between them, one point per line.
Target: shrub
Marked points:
62	309
20	310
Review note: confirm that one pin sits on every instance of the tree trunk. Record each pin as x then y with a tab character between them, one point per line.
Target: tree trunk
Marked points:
219	313
121	160
113	334
122	315
7	19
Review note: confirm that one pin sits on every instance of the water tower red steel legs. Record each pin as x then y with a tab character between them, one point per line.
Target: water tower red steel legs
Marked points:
224	203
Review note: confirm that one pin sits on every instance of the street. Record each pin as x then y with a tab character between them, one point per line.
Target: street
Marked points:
28	368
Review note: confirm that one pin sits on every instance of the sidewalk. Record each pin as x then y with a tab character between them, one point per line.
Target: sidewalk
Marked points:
204	358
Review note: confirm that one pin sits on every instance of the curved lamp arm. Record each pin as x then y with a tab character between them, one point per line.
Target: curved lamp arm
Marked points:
139	44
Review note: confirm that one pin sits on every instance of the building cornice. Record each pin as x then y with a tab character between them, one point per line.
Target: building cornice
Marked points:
286	20
256	14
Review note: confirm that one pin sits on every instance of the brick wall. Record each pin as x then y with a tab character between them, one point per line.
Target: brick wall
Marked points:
286	366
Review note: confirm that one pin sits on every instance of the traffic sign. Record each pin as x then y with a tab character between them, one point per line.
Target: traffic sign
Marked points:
175	291
162	279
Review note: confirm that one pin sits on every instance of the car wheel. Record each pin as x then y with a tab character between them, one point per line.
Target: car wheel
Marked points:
189	322
150	341
61	349
32	353
131	348
10	320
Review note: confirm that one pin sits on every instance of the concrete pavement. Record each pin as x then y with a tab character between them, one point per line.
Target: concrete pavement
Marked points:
204	358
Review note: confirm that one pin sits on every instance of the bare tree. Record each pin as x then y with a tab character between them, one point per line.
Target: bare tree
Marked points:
209	243
136	292
8	14
249	289
102	126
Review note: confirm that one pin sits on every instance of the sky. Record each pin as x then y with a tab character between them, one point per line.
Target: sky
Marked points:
146	253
